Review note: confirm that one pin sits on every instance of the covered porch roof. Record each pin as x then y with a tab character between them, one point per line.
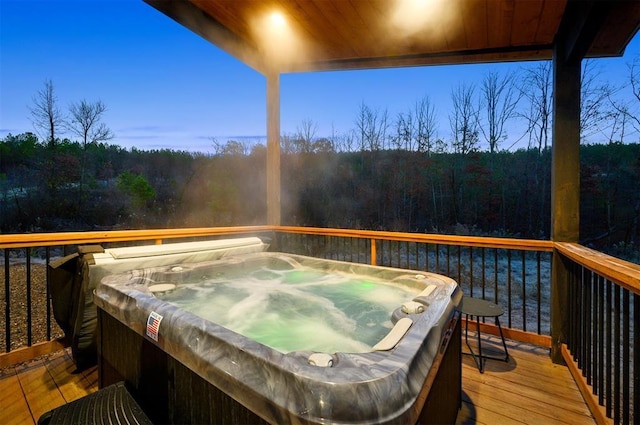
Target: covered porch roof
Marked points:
307	35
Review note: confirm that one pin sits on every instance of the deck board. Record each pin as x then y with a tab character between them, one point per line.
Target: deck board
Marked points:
13	405
72	385
39	389
529	389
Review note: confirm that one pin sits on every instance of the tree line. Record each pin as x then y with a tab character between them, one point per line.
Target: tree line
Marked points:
482	193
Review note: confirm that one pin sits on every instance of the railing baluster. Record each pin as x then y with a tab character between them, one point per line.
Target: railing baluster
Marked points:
495	275
625	357
594	333
524	293
539	288
48	285
458	263
7	302
408	262
509	287
576	282
616	355
599	383
636	358
609	354
471	270
587	324
426	250
29	306
484	274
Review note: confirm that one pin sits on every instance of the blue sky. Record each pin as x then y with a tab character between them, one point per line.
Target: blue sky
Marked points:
165	87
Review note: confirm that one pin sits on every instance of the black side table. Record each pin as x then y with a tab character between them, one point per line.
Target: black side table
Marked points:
482	308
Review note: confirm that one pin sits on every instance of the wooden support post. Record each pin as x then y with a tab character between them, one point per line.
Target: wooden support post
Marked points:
273	148
565	184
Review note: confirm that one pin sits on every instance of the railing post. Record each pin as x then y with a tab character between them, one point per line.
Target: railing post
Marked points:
374	253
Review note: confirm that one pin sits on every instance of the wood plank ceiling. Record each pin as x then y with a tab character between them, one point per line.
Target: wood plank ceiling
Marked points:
312	35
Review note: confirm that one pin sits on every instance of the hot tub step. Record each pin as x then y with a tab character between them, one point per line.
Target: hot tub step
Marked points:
110	405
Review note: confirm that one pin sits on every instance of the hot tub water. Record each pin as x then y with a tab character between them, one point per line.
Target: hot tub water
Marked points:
294	309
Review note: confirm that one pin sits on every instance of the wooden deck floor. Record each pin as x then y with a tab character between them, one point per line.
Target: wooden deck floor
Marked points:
29	390
528	389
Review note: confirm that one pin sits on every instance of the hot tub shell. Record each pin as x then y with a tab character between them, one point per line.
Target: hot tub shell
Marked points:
198	371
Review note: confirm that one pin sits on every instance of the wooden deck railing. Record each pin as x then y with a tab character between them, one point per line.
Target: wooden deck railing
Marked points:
514	273
603	339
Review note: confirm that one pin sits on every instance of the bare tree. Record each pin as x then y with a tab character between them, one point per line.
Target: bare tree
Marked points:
372	126
631	109
84	122
404	134
634	80
345	142
536	88
45	114
287	144
425	126
499	100
305	135
339	142
595	115
464	119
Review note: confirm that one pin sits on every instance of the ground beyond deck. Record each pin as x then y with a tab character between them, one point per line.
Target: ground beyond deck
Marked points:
528	389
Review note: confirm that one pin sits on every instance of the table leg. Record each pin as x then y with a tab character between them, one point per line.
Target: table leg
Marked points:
504	344
481	365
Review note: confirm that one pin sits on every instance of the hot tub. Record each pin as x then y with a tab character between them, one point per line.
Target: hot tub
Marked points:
189	363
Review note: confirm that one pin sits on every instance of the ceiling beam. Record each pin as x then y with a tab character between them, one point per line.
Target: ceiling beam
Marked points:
581	23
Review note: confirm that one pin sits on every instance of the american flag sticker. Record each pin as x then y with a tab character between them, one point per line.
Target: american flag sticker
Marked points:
153	325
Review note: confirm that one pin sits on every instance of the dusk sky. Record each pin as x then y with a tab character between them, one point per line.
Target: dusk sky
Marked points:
166	87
